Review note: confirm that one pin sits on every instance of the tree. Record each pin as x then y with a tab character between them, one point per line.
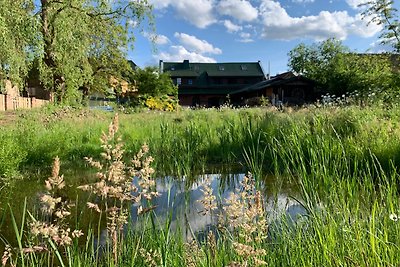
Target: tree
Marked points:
364	72
337	70
317	61
76	43
83	38
383	13
151	82
17	43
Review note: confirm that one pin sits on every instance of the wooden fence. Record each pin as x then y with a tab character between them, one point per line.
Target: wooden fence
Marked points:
8	102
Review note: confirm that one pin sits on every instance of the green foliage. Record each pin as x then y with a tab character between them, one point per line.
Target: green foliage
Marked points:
18	40
333	154
153	83
338	71
12	155
78	44
163	103
383	13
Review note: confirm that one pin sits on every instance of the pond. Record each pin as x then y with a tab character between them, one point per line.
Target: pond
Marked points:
178	201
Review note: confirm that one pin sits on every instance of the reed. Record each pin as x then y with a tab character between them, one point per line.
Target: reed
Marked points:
344	160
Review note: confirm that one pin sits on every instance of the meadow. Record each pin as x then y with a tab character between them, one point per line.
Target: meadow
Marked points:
344	160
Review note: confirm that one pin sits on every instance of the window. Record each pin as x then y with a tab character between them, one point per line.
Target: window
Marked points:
243	67
178	81
172	68
196	68
221	67
190	81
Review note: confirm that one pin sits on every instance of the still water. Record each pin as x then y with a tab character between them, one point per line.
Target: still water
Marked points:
178	201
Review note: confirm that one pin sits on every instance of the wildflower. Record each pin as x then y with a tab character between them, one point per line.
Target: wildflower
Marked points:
393	217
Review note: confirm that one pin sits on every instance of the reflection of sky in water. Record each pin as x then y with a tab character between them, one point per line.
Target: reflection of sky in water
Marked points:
185	207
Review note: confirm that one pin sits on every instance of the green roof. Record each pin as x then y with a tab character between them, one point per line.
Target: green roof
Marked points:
227	69
285	78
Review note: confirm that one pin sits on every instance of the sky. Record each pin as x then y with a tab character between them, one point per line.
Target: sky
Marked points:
249	30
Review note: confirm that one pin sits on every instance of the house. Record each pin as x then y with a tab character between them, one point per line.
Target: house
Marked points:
209	84
287	88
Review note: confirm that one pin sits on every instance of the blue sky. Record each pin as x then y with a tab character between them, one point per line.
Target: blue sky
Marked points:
250	30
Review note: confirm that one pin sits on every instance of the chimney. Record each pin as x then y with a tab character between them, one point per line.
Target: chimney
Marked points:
186	64
161	66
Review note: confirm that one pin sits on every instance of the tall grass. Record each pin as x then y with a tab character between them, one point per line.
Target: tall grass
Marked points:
188	141
344	160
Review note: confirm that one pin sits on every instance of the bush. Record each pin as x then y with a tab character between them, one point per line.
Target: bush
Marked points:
162	103
11	155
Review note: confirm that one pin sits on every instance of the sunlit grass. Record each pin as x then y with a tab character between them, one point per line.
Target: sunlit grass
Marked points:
344	160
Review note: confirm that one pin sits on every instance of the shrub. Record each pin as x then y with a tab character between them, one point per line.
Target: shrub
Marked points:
11	155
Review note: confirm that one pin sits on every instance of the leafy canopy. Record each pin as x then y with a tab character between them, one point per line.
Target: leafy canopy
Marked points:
337	70
383	13
151	82
17	39
77	43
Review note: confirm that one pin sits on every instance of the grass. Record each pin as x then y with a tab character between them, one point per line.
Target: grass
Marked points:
188	141
345	160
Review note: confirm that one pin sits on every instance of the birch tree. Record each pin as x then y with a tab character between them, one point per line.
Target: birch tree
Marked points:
383	13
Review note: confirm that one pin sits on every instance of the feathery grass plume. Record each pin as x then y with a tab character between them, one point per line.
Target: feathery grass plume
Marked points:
55	210
212	246
245	217
152	258
192	254
7	255
114	183
245	212
52	232
209	201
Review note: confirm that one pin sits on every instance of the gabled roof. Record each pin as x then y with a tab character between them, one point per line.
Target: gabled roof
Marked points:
284	78
225	69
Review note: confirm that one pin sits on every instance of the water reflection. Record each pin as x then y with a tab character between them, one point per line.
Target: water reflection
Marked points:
179	201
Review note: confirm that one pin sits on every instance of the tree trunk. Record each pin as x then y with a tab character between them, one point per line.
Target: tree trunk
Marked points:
58	81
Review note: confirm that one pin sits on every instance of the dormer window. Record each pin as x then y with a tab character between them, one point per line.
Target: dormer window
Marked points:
221	67
243	67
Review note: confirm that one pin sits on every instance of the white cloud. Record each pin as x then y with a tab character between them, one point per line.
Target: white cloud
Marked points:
192	43
133	23
156	38
241	10
303	1
160	4
279	25
231	27
378	47
355	3
179	53
245	37
199	12
246	40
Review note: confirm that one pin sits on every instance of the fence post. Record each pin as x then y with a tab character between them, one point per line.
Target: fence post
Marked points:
2	103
